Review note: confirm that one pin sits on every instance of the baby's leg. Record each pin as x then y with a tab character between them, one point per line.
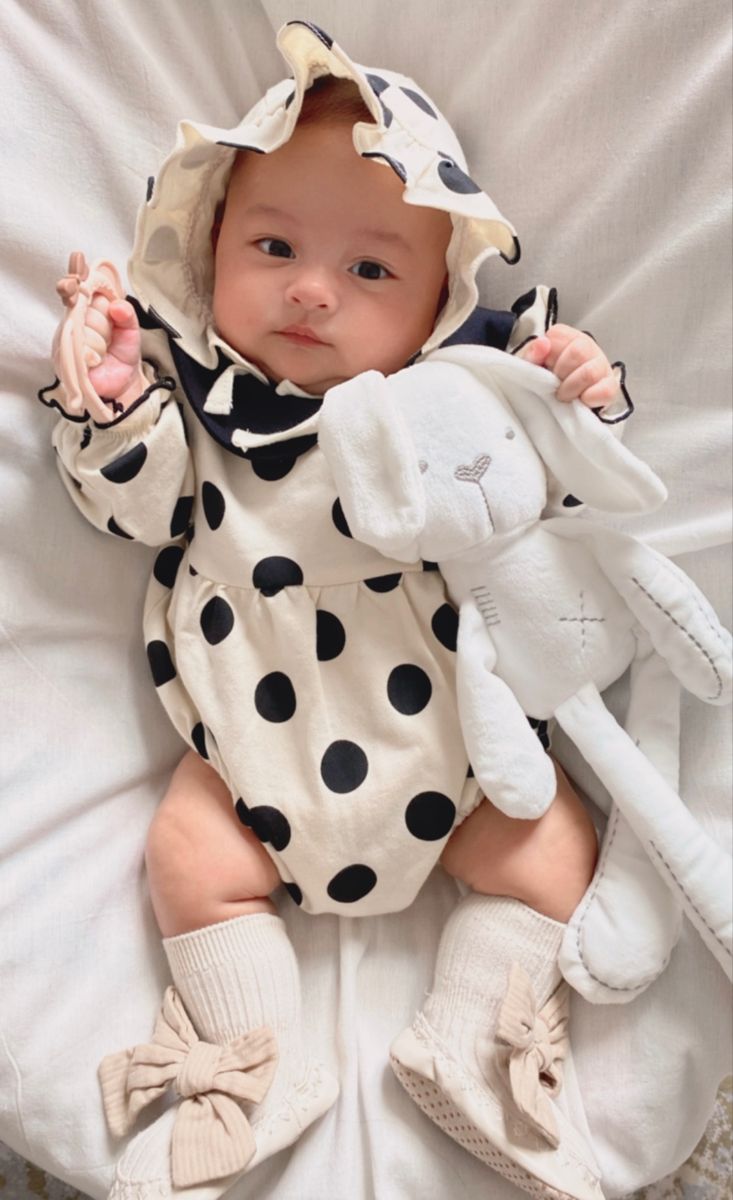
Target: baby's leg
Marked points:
484	1058
548	863
203	865
236	987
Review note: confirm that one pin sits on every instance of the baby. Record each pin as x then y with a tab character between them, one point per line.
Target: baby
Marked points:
333	231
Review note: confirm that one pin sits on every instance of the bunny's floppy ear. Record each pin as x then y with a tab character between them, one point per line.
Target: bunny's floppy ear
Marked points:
578	448
373	460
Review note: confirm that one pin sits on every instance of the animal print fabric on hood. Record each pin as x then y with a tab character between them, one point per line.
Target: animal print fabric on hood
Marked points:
171	268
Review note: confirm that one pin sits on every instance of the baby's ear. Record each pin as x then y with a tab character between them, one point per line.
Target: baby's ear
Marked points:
374	464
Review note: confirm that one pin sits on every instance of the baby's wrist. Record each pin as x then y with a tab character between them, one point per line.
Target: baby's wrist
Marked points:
132	392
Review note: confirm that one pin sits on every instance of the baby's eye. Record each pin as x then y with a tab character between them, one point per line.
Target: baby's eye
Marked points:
369	270
275	247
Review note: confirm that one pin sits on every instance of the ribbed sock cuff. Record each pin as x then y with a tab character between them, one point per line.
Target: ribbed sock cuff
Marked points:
481	940
236	976
221	943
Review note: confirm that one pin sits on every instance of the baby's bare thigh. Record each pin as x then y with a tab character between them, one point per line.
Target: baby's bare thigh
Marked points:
547	863
203	865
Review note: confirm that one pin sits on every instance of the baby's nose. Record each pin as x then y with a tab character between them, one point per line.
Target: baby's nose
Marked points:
313	287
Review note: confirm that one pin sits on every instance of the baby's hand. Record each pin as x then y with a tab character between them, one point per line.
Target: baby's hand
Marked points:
112	347
581	366
96	348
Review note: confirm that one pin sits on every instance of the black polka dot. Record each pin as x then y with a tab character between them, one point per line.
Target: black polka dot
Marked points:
214	505
430	816
420	101
408	689
351	884
272	468
127	466
294	892
455	179
161	663
242	812
181	515
377	84
330	636
339	520
115	528
445	626
383	583
270	825
344	766
192	571
541	729
198	737
167	564
217	620
272	574
571	501
275	697
394	163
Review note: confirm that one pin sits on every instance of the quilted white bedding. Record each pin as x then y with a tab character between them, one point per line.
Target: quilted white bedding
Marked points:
603	131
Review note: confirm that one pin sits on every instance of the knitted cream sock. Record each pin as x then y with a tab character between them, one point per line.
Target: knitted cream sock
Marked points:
483	936
234	977
454	1061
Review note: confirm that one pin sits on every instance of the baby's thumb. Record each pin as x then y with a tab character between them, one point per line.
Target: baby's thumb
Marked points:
122	314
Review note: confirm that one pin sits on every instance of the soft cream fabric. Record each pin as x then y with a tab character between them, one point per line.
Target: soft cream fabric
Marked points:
603	133
538	1042
211	1135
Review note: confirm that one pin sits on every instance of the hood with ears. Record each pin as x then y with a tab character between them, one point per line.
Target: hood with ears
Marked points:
171	269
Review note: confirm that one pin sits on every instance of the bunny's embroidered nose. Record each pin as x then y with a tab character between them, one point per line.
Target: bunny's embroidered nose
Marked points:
474	472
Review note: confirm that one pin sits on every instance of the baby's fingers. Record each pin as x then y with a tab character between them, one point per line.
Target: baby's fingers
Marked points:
579	382
602	393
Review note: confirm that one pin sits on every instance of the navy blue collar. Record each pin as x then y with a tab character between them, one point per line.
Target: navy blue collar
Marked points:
258	408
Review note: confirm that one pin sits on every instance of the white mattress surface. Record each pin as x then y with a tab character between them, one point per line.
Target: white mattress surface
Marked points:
603	132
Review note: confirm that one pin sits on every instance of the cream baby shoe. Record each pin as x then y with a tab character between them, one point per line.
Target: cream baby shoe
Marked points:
484	1059
229	1042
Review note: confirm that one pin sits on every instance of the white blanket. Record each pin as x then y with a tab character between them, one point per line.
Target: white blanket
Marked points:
603	132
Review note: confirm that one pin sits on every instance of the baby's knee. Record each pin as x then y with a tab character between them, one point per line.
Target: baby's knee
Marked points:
203	866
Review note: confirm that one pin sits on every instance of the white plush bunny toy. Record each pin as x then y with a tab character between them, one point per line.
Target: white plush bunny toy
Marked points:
447	461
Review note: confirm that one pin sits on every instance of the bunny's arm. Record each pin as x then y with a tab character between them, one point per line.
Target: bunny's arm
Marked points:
683	626
506	756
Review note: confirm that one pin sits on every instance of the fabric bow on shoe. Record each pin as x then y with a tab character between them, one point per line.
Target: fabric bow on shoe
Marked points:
211	1135
538	1044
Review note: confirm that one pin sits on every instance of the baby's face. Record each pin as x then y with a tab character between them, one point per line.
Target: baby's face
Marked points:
322	271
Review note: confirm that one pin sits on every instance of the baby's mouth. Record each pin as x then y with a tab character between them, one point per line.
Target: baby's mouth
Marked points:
301	335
